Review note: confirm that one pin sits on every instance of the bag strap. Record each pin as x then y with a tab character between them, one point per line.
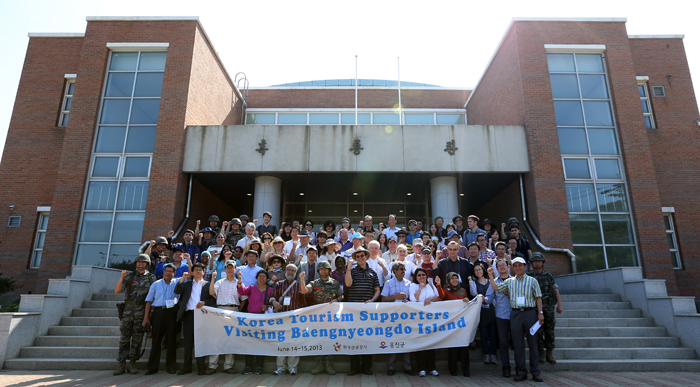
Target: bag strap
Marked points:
288	289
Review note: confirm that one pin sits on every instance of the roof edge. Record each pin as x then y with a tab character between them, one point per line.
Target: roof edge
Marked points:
140	18
572	19
656	36
56	34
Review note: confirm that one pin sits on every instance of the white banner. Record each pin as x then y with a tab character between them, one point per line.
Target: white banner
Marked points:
338	329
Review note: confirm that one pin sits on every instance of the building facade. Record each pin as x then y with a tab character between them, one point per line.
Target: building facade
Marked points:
135	128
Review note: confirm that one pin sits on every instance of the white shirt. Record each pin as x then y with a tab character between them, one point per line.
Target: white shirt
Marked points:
243	242
288	246
328	258
394	286
226	292
410	269
195	295
374	264
389	232
415	258
390	257
429	291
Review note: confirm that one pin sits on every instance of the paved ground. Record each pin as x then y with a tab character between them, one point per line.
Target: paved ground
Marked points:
563	378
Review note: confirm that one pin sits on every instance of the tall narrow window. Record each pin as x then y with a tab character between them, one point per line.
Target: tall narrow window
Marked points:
67	99
117	189
646	105
672	242
596	191
39	239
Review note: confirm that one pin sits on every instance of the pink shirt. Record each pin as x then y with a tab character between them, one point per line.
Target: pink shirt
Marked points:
256	298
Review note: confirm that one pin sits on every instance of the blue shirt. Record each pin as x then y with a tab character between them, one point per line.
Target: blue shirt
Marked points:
249	274
470	236
503	308
178	272
394	286
161	291
192	249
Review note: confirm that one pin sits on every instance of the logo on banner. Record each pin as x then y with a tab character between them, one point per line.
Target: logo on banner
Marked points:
336	346
204	311
382	345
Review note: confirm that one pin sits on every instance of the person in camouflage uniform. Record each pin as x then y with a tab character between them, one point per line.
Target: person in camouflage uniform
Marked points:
235	234
135	285
324	290
551	299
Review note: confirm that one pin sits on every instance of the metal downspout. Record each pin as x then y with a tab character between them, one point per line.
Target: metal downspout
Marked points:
534	236
187	214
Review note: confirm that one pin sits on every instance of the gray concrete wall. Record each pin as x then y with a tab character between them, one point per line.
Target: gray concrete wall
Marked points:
326	148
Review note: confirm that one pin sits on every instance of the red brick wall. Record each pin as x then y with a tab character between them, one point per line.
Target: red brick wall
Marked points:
676	134
33	149
366	98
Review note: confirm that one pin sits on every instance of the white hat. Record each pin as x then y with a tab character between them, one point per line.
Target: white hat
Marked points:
519	260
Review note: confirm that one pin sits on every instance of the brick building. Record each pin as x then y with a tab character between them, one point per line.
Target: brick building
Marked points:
135	127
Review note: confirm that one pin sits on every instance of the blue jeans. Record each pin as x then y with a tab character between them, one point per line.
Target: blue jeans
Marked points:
488	338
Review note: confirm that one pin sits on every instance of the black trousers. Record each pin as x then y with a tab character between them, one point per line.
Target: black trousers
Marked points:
163	325
520	323
458	353
361	362
425	360
188	331
254	361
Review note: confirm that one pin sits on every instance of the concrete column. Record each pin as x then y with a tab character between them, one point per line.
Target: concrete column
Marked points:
268	196
444	197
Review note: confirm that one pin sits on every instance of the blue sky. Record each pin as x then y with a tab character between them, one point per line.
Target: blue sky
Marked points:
447	44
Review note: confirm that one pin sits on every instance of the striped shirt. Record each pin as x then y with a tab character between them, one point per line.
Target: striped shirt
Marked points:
296	299
526	287
364	281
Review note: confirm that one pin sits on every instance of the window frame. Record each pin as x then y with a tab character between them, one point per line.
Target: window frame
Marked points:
66	96
35	249
641	81
677	263
371	112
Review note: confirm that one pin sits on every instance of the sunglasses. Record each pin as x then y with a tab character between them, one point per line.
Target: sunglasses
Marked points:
420	275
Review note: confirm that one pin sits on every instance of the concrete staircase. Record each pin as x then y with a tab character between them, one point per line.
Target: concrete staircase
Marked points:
596	332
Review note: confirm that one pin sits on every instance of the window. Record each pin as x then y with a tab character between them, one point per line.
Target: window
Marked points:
672	242
117	189
14	221
599	215
119	115
646	105
67	99
39	239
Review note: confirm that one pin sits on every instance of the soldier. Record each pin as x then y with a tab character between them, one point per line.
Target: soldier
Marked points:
550	299
324	290
136	285
235	234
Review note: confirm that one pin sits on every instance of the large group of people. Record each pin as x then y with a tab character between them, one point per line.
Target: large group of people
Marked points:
241	266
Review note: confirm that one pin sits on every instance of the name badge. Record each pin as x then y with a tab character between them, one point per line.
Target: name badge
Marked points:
520	301
169	304
287	301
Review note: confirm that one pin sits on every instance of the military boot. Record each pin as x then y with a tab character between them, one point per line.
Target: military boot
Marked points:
132	367
550	357
120	369
542	355
329	368
319	368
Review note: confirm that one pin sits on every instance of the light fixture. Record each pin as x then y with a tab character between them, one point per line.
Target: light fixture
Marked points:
400	210
249	194
461	194
354	210
301	194
310	211
354	193
408	194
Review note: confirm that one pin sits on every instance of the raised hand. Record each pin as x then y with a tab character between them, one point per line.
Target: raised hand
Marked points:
171	233
213	275
124	273
197	223
437	281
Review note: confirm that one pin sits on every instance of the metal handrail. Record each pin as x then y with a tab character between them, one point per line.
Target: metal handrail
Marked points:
534	236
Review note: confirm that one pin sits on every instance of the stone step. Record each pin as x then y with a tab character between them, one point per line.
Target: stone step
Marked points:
342	365
615	342
108	297
610	332
605	322
590	297
77	341
101	304
599	313
94	312
90	321
599	305
83	331
625	353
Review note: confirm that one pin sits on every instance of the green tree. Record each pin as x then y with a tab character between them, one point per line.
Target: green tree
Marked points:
7	284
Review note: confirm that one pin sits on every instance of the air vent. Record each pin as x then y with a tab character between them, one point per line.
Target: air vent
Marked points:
14	221
659	91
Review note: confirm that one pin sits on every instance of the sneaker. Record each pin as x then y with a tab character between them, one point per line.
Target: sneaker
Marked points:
421	374
258	370
487	359
280	371
292	371
434	373
494	359
247	371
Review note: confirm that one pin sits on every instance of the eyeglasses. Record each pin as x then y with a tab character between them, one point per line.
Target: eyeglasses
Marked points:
420	275
453	249
402	269
309	225
219	237
266	239
360	256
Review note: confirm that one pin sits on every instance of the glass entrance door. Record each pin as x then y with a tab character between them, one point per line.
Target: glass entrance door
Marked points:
320	212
